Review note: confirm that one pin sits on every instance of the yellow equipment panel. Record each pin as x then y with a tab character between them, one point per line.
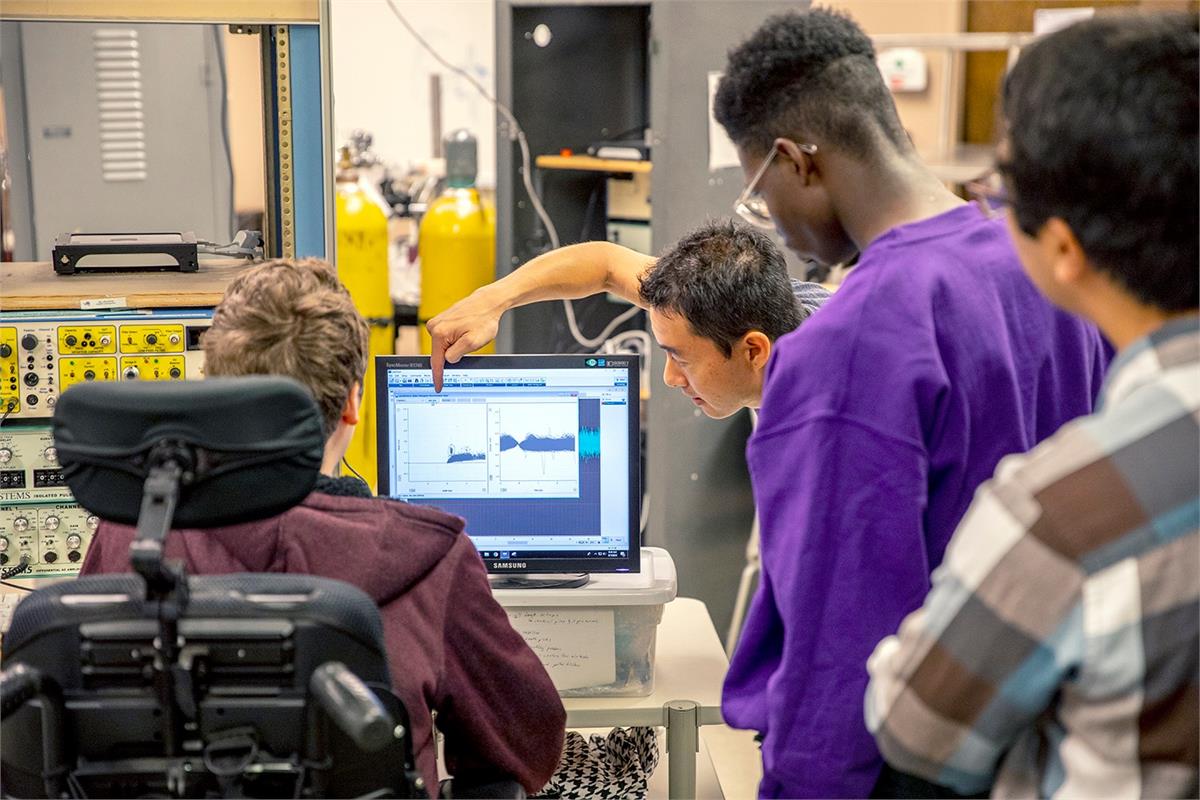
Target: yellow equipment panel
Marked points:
88	368
86	340
152	339
153	368
10	390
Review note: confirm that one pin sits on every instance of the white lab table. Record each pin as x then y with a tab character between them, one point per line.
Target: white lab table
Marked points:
689	668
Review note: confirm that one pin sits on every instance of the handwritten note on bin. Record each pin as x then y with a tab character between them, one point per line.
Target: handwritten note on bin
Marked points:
576	646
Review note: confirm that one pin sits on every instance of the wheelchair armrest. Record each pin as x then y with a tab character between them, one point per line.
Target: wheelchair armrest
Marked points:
352	706
18	685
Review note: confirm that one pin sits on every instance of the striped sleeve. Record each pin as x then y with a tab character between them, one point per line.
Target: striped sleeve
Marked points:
984	656
809	296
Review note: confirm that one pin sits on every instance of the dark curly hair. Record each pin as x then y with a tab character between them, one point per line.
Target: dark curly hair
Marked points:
726	279
809	73
1102	134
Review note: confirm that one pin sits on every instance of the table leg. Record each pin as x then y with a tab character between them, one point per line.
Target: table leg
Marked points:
682	719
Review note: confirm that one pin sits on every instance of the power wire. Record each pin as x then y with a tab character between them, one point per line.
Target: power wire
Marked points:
346	464
515	131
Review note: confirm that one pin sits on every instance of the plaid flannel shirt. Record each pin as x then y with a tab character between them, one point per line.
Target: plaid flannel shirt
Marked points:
1057	652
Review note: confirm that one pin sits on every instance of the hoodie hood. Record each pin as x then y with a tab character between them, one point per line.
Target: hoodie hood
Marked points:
382	546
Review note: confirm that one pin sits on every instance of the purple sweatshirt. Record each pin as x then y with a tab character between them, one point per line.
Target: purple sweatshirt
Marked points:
881	415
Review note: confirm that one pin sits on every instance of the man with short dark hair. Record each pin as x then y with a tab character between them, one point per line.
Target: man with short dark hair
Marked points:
718	299
1058	653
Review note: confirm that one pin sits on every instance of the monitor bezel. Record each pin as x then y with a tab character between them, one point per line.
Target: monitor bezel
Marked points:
574	564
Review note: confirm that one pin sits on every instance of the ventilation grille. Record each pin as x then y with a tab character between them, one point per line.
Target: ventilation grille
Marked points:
119	92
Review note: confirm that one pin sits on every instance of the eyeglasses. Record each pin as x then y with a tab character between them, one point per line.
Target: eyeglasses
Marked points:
750	205
989	193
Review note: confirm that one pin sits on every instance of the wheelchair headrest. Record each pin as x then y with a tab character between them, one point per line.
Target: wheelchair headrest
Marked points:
253	446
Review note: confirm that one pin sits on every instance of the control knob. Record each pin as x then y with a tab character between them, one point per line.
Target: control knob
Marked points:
74	541
51	523
50	454
93	521
29	341
151	338
5	455
3	543
131	373
20	524
31	379
5	350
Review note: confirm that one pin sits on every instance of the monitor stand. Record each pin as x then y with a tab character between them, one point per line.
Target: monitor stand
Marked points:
549	581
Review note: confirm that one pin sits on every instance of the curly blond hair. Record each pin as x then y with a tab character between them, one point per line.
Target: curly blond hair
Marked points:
292	318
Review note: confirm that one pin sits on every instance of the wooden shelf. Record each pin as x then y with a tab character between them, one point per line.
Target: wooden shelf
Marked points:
35	286
590	164
221	11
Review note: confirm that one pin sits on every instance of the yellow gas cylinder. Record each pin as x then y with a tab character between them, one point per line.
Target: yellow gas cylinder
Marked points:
457	238
362	256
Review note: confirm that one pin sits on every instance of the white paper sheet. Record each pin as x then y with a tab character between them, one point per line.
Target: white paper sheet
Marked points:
721	152
576	646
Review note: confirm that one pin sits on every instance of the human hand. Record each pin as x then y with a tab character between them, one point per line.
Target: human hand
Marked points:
463	328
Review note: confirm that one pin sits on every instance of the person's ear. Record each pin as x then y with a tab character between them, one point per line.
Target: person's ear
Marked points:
798	160
1061	250
350	411
756	347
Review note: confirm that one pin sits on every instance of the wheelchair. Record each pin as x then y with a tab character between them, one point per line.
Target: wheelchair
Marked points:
160	684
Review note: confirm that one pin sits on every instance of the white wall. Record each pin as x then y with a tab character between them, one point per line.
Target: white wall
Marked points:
381	75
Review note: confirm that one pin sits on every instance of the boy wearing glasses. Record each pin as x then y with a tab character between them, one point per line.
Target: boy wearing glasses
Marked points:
883	413
1057	654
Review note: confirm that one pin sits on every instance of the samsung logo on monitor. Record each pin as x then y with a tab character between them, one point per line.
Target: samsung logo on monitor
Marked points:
509	565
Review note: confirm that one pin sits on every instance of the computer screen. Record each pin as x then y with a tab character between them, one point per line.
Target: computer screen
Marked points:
540	455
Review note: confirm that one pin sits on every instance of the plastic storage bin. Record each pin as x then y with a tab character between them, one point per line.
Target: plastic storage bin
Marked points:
597	640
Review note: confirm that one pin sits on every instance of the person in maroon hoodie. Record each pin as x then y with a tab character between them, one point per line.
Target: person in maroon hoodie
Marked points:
450	646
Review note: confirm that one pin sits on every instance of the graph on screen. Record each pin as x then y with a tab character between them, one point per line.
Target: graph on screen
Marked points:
444	443
538	444
494	448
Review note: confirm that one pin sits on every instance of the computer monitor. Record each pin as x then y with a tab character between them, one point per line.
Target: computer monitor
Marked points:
540	455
